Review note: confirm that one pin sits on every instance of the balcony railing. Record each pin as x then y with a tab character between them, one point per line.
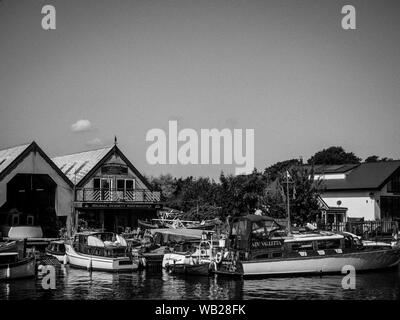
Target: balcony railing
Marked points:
365	229
115	195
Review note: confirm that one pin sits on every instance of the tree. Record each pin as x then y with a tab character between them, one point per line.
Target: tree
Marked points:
375	158
274	171
303	195
334	155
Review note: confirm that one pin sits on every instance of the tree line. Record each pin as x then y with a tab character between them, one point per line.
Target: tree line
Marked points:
266	191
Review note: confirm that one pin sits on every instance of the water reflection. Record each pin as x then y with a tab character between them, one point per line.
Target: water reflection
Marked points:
82	284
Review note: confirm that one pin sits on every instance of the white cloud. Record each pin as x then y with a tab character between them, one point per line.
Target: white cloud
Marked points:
81	125
94	142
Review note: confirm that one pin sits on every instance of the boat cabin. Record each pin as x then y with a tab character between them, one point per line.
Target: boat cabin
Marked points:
105	244
258	237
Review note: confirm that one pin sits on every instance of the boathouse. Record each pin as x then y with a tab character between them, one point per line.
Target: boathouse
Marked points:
109	192
366	191
33	191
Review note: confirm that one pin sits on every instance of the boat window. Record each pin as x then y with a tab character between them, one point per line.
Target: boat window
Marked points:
262	256
258	229
302	246
276	254
329	244
239	228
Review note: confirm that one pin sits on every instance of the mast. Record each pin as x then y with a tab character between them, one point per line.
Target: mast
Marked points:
288	202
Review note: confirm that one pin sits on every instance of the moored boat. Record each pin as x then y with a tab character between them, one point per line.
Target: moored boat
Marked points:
12	267
14	263
257	248
103	251
57	250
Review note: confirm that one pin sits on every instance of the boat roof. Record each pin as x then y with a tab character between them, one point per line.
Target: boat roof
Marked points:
92	233
189	233
314	236
57	241
8	253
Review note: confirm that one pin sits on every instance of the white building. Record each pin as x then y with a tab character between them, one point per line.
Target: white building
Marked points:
368	190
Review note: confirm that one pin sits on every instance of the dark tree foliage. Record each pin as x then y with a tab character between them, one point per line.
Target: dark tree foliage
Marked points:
375	158
203	198
303	195
334	155
273	172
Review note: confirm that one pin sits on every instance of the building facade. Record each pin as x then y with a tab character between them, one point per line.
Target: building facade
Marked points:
368	191
93	189
109	192
33	191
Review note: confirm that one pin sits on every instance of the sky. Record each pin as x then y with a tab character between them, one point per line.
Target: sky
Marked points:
284	68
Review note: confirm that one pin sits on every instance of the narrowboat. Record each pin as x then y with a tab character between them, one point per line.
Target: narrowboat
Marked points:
102	251
259	246
57	250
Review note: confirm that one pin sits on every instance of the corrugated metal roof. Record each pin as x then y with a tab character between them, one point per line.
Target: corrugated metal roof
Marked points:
7	156
76	166
365	176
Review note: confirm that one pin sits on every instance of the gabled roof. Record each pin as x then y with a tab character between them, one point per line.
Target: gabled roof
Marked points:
7	156
77	165
365	176
11	157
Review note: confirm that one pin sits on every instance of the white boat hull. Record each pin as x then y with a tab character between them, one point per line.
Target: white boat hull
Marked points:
99	263
22	269
361	261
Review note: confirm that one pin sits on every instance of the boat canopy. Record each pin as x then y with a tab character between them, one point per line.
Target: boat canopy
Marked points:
179	235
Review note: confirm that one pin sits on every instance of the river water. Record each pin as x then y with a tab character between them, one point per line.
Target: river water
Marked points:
81	284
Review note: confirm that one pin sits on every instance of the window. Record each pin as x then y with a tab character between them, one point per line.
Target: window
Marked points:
120	184
390	207
96	183
130	184
394	184
30	220
302	246
328	244
15	219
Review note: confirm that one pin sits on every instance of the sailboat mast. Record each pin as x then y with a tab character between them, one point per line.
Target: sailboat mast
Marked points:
288	201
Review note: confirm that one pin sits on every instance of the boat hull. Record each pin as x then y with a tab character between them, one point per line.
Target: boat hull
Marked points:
190	269
361	261
24	268
99	263
60	257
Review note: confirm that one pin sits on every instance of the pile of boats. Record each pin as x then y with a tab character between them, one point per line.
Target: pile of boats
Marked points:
255	246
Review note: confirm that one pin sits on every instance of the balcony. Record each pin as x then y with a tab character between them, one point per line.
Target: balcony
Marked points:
116	196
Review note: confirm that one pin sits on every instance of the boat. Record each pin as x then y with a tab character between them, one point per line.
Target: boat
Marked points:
57	250
15	264
195	263
189	224
257	247
198	269
9	246
102	251
148	225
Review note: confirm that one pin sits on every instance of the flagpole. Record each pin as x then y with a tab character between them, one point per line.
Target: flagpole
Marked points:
288	202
